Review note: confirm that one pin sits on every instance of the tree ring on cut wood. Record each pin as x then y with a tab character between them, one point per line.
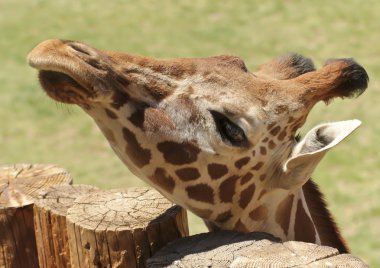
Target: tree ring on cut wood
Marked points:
122	228
20	184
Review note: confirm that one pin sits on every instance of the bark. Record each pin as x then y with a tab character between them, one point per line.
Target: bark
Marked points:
50	223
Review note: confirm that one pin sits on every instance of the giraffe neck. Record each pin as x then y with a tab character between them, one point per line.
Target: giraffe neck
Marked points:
322	219
301	215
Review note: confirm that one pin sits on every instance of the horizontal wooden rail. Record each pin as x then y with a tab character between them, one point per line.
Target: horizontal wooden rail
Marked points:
232	249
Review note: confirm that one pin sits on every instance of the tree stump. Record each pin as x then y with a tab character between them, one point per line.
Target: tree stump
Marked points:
50	212
122	228
19	186
231	249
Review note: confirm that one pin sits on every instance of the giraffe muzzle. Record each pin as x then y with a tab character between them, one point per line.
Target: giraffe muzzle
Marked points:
71	72
75	73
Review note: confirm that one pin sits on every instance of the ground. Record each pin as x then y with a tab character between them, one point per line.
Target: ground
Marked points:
34	129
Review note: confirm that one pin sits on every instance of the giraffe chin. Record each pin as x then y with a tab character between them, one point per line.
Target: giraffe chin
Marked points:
63	88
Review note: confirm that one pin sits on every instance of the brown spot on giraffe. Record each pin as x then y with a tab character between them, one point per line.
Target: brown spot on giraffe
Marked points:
270	126
178	153
227	189
188	174
164	180
246	195
259	213
119	99
258	166
138	155
246	178
265	139
110	114
201	192
275	131
216	171
263	150
137	118
262	177
271	145
240	227
224	216
303	229
242	162
283	212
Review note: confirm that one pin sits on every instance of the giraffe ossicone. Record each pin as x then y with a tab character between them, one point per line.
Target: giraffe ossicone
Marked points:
210	135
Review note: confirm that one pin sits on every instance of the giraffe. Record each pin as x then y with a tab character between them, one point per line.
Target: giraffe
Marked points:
210	135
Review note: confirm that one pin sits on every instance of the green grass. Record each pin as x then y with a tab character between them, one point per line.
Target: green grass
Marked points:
34	129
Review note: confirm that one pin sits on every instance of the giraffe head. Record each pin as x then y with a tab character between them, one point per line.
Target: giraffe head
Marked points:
204	131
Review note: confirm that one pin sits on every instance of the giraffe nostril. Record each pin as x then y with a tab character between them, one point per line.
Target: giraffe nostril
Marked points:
80	48
88	54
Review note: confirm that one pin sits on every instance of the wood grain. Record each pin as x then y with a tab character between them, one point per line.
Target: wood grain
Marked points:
122	228
50	223
232	249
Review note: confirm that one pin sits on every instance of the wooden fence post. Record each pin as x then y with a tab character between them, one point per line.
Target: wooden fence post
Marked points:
122	228
50	223
239	250
19	187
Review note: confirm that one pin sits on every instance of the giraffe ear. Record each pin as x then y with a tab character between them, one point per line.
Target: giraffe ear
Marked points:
286	67
310	150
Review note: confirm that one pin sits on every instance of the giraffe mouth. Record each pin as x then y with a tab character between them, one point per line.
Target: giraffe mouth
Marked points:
70	72
63	88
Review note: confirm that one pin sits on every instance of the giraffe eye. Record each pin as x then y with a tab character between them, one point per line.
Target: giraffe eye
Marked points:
231	133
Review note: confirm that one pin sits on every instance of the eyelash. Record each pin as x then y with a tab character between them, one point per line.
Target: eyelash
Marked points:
230	133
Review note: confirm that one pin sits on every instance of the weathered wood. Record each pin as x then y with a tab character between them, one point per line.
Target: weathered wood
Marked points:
19	187
231	249
122	228
50	223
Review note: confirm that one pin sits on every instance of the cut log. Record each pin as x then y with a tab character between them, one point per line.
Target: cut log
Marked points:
50	223
231	249
122	228
19	187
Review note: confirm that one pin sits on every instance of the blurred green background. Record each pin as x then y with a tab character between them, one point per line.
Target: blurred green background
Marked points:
34	129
